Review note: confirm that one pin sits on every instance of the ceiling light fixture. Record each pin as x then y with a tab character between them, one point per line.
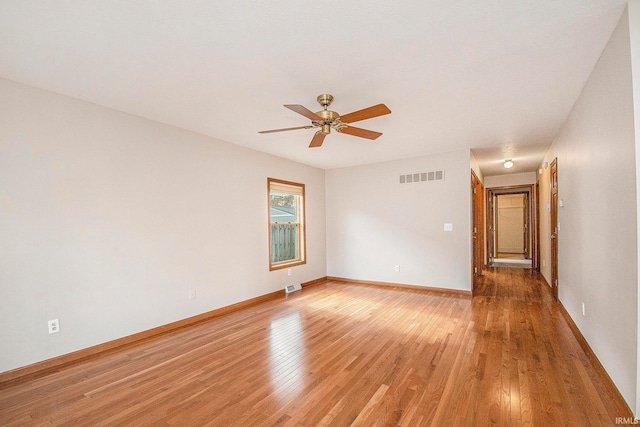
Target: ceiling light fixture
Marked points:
508	164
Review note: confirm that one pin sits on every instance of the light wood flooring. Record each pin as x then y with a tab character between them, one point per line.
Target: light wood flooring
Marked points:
343	354
510	255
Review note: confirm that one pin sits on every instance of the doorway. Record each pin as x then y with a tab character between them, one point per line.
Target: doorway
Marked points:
510	234
554	227
477	220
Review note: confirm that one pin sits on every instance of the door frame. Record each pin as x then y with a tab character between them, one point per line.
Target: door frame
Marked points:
477	230
536	226
534	235
553	225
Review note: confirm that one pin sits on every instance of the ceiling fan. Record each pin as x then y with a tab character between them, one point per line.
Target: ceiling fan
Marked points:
327	119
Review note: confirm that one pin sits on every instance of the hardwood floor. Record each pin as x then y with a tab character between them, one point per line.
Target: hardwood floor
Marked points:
510	255
343	354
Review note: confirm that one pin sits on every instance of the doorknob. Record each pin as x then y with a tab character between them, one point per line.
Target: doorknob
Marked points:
553	237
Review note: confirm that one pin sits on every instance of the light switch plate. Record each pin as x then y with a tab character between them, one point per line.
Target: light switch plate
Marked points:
448	226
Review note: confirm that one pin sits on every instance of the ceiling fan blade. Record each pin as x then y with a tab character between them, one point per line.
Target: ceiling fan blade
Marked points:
284	129
362	133
366	113
317	140
304	111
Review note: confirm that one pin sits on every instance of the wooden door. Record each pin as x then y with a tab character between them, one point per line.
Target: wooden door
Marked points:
526	214
477	210
535	262
491	231
554	227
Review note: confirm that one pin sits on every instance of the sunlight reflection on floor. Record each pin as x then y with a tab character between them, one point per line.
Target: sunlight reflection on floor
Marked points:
287	350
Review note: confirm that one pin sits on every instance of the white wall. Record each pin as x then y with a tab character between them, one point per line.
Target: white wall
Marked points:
476	167
598	229
108	220
634	35
375	223
525	178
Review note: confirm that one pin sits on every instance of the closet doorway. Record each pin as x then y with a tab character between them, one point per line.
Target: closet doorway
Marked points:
511	226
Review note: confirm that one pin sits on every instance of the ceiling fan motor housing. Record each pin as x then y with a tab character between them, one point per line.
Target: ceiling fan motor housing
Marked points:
328	119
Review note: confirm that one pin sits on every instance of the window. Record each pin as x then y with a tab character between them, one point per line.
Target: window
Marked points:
286	224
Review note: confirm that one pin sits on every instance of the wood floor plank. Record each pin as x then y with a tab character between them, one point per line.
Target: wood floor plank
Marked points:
339	354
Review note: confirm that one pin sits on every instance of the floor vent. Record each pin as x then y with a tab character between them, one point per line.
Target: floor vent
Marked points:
293	288
422	177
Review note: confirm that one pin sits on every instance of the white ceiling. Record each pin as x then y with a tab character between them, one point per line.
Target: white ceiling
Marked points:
497	76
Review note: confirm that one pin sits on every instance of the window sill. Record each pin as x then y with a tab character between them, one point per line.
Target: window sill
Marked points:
286	264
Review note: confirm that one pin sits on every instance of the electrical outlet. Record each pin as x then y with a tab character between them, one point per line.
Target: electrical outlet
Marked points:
397	268
448	226
192	294
54	326
289	272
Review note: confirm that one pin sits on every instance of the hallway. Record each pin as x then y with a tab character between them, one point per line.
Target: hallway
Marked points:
543	365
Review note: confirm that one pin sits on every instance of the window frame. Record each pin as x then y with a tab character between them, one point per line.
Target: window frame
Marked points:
302	231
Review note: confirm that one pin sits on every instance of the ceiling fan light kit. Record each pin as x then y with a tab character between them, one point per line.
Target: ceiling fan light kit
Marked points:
327	120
